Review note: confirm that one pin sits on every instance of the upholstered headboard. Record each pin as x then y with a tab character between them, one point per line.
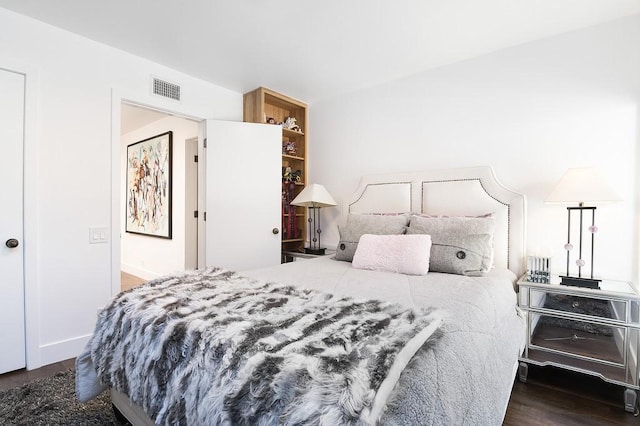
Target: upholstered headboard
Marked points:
470	191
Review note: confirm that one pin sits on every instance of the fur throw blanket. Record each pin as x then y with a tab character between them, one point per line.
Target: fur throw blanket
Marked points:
213	347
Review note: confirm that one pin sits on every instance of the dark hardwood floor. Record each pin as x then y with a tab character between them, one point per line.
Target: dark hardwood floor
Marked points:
550	397
554	396
20	377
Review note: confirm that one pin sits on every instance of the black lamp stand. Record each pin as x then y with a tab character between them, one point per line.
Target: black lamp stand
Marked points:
314	235
580	281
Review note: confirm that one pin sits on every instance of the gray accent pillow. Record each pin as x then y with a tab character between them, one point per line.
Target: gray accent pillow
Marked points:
360	224
459	245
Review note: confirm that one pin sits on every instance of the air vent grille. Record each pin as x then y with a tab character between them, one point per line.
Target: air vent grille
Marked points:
166	89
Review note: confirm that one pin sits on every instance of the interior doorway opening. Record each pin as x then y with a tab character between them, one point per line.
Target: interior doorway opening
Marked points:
144	257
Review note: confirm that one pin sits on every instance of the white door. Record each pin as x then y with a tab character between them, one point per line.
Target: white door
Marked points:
12	325
242	194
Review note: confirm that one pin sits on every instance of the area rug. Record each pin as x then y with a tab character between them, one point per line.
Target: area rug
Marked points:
52	401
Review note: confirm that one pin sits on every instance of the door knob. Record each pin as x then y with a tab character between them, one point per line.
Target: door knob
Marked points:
12	243
275	231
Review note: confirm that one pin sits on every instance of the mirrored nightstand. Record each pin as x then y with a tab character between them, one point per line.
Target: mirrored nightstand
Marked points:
593	331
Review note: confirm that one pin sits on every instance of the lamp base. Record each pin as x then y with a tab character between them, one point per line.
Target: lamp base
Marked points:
580	282
318	251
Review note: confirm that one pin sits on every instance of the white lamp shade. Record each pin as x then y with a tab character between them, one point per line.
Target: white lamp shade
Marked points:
314	195
582	185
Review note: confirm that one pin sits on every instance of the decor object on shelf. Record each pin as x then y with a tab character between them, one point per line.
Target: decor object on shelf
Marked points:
581	185
314	196
289	175
290	124
149	177
290	228
289	148
290	179
538	269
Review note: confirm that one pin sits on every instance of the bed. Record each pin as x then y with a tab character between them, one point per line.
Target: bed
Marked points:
456	368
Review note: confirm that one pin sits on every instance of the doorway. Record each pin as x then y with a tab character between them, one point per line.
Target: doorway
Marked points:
144	257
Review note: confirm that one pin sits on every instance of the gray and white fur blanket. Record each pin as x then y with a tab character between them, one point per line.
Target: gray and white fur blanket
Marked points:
213	347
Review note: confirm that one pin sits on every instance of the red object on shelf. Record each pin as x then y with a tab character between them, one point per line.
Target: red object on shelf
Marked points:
289	218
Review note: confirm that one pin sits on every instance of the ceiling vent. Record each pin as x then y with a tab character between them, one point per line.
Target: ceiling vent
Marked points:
165	89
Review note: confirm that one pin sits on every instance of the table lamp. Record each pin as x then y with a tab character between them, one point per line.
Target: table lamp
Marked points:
581	185
314	196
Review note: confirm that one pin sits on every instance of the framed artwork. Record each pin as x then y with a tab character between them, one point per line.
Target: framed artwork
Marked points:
149	174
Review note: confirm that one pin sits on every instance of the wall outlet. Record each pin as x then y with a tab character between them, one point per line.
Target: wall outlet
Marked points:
98	235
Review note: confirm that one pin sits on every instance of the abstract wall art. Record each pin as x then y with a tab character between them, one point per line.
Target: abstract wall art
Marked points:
149	177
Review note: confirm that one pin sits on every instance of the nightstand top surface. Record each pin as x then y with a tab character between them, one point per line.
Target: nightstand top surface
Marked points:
607	287
302	255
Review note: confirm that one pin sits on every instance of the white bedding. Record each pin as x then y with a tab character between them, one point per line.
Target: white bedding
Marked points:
446	290
467	377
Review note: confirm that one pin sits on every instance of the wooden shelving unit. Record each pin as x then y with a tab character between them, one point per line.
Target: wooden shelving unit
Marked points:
263	105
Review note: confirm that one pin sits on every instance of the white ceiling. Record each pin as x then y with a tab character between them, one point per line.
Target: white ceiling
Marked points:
316	49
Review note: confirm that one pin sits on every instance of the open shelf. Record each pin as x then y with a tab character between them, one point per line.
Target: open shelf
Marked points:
260	106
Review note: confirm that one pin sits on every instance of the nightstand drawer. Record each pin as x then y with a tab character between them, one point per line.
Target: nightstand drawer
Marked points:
581	305
579	339
608	372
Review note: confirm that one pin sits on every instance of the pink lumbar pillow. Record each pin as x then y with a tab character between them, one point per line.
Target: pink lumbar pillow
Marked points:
404	254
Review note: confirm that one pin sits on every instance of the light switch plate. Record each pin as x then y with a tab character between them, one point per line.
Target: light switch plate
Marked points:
98	235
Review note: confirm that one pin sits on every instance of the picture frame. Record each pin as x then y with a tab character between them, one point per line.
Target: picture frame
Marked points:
148	186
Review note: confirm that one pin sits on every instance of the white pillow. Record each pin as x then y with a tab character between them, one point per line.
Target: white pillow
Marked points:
404	254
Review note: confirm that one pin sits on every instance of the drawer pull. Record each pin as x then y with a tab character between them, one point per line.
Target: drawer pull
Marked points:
573	338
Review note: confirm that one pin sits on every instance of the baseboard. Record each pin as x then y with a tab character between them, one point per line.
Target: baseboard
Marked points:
138	272
62	350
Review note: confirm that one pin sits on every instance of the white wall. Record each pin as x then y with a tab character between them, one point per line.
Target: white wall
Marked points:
150	257
71	174
530	111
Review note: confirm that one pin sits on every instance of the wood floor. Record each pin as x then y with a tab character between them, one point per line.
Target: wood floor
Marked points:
20	377
128	281
550	397
553	396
